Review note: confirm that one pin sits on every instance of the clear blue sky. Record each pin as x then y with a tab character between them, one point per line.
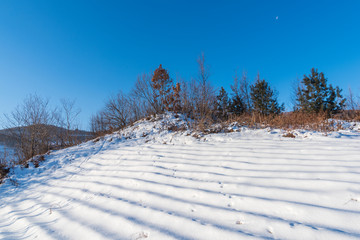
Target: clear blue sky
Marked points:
88	50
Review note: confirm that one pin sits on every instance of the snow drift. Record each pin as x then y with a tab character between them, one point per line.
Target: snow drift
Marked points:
149	182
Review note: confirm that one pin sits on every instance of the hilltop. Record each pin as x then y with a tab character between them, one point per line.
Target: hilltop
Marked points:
158	179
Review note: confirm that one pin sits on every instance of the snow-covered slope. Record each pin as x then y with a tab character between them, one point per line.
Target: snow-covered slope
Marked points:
150	183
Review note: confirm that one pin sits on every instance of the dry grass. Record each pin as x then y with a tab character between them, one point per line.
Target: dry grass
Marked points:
349	115
175	128
289	121
37	160
289	135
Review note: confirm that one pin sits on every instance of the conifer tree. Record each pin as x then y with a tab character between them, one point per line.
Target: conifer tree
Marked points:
222	104
264	98
237	105
314	95
161	84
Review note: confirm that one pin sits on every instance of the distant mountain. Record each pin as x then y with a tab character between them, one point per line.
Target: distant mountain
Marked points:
7	140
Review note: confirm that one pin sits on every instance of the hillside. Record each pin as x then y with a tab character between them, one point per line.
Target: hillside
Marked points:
148	182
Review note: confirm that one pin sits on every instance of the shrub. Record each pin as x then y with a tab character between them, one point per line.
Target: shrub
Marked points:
3	172
289	135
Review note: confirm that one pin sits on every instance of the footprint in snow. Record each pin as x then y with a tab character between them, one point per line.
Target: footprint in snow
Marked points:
357	200
140	235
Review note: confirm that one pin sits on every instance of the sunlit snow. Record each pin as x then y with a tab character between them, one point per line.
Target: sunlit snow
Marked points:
150	183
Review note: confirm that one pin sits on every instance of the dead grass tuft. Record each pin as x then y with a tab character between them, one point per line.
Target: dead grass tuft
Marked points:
289	135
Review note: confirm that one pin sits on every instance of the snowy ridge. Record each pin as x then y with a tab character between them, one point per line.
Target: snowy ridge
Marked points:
151	182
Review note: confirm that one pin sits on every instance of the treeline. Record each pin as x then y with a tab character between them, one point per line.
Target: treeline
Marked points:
198	99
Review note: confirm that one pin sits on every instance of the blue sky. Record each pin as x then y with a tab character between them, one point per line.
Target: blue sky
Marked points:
89	50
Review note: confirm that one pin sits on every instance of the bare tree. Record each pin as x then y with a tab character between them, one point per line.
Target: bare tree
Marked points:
139	108
241	90
296	85
143	90
70	113
30	124
67	120
185	98
123	109
98	124
118	111
205	92
351	102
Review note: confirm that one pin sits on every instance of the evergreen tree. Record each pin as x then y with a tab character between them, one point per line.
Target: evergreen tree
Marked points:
161	84
237	105
264	99
222	104
314	95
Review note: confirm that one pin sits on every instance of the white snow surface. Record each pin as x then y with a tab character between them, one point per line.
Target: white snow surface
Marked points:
147	182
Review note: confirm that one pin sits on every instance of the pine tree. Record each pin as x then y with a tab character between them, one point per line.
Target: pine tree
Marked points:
237	105
314	95
222	104
161	84
264	99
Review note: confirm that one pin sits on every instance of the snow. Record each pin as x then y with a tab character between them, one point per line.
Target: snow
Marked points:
148	182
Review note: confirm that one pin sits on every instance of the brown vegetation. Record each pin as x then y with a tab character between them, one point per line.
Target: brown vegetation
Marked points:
289	121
